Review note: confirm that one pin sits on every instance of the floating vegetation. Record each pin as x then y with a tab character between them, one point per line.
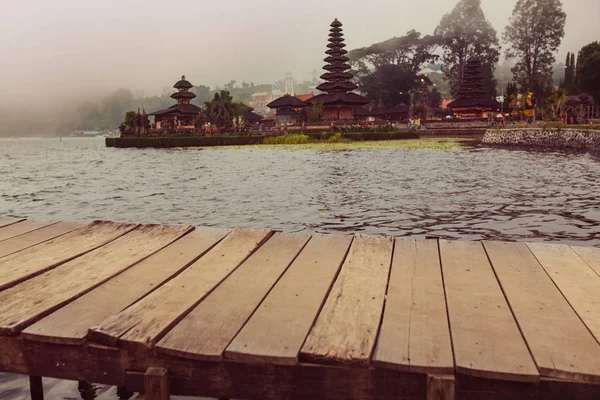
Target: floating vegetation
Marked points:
287	139
444	144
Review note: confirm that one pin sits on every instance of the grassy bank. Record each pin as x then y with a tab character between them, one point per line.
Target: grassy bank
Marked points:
443	144
209	141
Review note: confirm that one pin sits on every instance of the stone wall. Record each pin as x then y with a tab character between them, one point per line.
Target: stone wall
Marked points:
545	138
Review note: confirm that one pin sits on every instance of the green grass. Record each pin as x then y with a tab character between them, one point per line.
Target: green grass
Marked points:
287	139
444	144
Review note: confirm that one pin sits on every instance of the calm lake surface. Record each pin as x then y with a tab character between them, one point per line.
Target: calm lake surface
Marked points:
469	194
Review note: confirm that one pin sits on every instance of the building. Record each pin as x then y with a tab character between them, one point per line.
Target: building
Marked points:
290	110
181	115
474	100
338	100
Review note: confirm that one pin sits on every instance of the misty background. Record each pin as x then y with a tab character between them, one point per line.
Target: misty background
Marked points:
59	57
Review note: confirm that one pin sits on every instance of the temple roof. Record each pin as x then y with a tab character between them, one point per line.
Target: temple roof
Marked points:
252	117
179	109
474	102
340	98
183	95
183	84
336	23
336	75
332	86
399	109
287	101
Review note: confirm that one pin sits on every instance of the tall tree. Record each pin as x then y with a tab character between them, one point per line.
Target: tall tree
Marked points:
465	33
588	70
534	34
388	71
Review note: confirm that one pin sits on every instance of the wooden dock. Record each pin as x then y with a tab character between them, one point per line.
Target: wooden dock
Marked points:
256	314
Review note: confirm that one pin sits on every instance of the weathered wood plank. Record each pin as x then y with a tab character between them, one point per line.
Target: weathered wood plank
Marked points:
219	317
560	343
156	386
70	324
346	329
38	236
276	331
37	297
440	387
21	228
486	339
591	256
5	221
577	281
415	335
35	260
162	309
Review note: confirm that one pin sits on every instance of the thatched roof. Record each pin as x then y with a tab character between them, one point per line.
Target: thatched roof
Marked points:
183	84
287	101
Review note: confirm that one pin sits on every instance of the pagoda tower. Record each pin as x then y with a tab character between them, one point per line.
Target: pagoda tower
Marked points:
473	99
183	95
339	102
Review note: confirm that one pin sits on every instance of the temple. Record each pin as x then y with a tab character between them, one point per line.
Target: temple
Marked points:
181	115
338	100
289	109
473	100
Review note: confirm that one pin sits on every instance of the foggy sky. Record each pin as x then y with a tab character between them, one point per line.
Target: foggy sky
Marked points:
63	49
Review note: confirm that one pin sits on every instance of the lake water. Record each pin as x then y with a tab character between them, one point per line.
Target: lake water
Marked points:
468	194
475	193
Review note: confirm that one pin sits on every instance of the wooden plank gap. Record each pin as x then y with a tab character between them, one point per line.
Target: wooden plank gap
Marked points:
446	300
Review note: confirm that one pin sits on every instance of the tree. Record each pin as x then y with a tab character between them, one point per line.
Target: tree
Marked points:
115	105
435	98
388	71
534	34
588	70
202	93
315	112
410	51
222	110
569	81
557	102
465	33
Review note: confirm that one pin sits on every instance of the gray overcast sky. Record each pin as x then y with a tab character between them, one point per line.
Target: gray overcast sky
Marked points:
73	48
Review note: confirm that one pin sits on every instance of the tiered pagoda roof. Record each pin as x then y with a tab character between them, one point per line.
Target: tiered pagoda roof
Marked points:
472	92
287	101
338	88
183	97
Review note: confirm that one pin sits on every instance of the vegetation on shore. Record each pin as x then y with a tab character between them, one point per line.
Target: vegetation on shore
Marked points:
438	143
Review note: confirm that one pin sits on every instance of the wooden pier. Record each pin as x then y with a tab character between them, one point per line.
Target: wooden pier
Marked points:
256	314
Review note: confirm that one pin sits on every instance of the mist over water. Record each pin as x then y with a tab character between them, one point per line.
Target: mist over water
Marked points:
469	194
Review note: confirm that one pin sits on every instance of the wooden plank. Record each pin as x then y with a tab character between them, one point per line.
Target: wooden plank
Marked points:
276	331
591	256
70	324
577	281
440	387
6	221
219	317
415	336
156	386
21	228
35	260
161	310
486	339
32	300
21	242
346	329
560	343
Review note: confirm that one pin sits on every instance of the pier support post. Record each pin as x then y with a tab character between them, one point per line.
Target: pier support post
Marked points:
156	384
440	387
36	388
